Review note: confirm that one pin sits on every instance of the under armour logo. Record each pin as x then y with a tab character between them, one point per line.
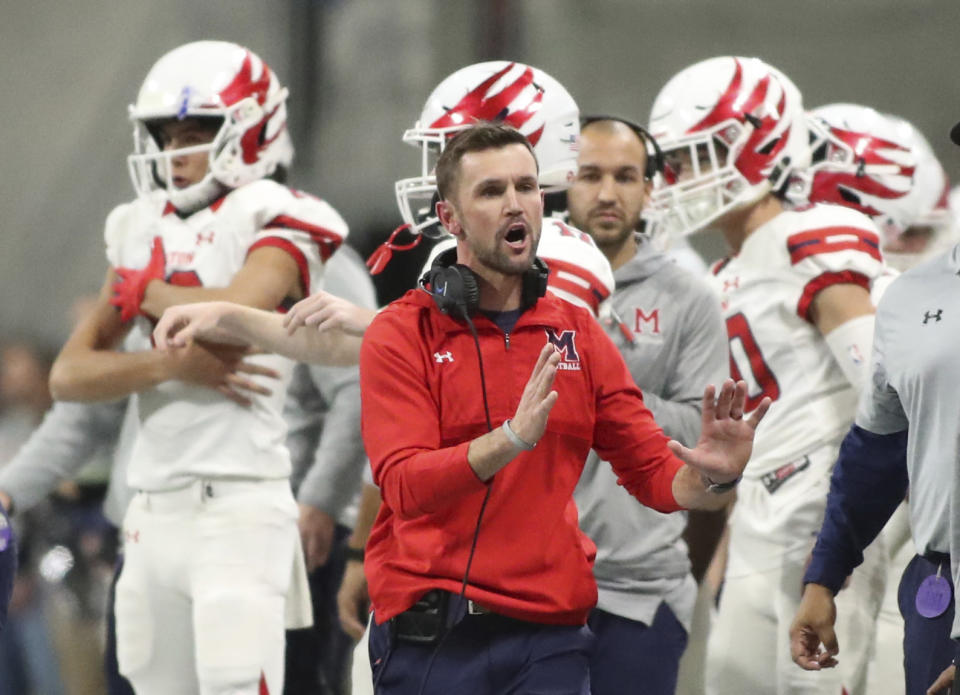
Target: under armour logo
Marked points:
935	315
731	284
204	238
441	357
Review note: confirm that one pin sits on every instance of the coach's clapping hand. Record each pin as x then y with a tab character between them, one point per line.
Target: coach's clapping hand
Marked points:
726	438
530	420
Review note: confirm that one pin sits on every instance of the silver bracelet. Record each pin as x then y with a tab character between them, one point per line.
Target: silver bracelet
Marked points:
514	438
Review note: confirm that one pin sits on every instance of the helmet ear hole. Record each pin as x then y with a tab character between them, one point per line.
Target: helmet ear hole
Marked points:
848	196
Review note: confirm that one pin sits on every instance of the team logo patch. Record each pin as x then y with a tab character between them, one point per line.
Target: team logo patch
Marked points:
646	323
733	284
566	344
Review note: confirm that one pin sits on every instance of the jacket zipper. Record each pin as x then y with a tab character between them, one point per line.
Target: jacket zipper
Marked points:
506	340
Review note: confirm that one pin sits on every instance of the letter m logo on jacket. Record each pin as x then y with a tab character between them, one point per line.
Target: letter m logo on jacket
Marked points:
565	343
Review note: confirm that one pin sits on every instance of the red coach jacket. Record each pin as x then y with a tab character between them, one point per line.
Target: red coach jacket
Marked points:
423	404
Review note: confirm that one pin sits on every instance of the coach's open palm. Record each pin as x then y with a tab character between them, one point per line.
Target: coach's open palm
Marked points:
726	438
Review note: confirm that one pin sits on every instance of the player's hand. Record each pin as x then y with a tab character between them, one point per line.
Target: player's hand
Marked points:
316	535
943	682
726	438
538	398
183	324
219	367
813	642
328	312
130	288
353	601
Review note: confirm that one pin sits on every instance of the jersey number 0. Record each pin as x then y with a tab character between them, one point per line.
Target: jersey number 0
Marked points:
745	351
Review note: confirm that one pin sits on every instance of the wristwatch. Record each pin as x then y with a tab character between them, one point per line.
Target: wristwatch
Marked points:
720	488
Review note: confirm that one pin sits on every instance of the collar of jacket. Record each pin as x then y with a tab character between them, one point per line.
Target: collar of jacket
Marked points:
547	313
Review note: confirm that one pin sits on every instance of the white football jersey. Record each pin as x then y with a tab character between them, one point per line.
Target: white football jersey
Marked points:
188	432
766	291
579	272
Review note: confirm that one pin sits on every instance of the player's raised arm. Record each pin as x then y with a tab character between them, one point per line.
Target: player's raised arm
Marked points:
89	368
229	323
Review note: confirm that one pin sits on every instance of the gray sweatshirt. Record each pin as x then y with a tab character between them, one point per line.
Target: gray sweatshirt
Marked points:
677	345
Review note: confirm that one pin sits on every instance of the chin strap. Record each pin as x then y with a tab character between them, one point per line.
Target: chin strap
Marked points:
381	257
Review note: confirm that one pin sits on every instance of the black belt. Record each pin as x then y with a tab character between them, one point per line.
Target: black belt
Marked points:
433	614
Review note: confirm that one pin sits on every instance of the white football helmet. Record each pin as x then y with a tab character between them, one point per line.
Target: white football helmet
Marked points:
880	165
211	79
859	159
516	94
731	130
579	272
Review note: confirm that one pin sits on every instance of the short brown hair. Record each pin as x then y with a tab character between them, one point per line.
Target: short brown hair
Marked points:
482	136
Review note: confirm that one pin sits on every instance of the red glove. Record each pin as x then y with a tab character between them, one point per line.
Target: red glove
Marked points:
128	291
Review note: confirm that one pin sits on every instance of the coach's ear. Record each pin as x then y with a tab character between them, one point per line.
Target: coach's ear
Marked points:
449	218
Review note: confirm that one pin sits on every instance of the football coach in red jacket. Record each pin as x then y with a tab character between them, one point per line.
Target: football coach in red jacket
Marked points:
482	396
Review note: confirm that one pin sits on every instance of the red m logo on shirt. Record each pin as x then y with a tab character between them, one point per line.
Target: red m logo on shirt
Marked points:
651	321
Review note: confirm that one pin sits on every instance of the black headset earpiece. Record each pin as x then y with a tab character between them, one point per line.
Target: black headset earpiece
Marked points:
535	282
655	163
453	286
455	289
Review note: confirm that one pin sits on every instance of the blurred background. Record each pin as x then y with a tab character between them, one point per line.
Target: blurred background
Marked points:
359	72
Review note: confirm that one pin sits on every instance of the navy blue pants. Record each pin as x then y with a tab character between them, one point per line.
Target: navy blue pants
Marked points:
633	657
318	657
485	655
927	647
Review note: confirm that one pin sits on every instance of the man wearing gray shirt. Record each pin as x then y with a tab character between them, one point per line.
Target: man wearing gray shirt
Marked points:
668	326
907	431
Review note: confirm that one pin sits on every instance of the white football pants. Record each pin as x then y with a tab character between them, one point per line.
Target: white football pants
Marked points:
201	600
771	535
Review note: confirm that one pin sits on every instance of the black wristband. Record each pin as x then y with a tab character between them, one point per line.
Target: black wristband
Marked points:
720	488
354	553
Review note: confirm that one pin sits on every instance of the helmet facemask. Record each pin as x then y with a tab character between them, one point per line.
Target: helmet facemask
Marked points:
417	196
701	181
151	166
